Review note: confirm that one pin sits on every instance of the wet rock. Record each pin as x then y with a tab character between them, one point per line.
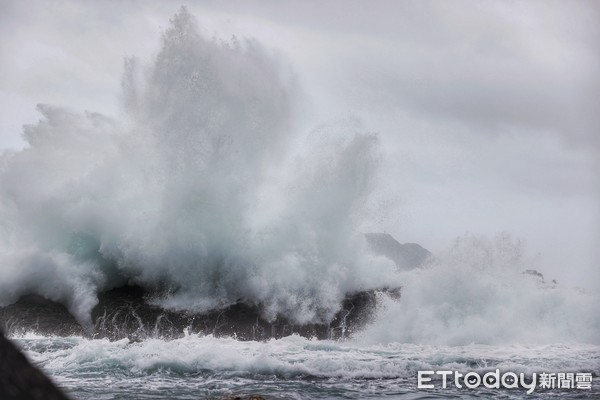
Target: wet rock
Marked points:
19	380
37	314
126	312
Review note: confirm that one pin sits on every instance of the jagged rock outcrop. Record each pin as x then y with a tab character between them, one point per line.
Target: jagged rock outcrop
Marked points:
35	313
539	276
126	312
534	273
19	380
406	256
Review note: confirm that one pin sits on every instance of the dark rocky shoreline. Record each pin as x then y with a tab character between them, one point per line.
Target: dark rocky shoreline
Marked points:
126	313
20	380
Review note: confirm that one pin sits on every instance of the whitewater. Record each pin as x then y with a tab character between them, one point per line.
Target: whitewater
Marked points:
205	195
290	368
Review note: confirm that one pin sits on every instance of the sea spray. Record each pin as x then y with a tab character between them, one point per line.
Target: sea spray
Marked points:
477	292
199	194
208	367
192	193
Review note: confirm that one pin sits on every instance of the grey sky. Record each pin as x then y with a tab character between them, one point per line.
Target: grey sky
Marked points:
487	111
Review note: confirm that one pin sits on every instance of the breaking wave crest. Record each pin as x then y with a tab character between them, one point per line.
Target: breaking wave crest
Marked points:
200	194
293	357
194	193
485	291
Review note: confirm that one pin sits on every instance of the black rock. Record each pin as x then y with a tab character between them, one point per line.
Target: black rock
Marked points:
406	256
125	312
19	380
37	314
540	278
533	272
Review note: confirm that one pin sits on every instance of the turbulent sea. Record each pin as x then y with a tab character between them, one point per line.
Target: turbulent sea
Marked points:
290	368
204	195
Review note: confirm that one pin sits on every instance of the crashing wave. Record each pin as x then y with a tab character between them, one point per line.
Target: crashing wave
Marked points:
196	193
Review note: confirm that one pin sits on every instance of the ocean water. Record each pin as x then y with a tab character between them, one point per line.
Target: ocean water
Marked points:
198	367
205	193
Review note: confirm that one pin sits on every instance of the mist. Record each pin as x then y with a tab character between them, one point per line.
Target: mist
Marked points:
484	113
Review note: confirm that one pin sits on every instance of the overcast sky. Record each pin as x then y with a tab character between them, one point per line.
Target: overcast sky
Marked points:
488	112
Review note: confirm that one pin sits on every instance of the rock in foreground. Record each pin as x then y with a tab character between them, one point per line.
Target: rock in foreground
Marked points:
19	380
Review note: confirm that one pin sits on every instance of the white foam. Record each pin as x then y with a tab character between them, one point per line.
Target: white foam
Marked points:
296	357
193	189
477	293
197	188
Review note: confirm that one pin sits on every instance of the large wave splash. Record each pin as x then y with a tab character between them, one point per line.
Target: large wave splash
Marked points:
193	193
485	291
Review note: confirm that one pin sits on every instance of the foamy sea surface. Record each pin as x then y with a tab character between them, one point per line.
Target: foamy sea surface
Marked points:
198	367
